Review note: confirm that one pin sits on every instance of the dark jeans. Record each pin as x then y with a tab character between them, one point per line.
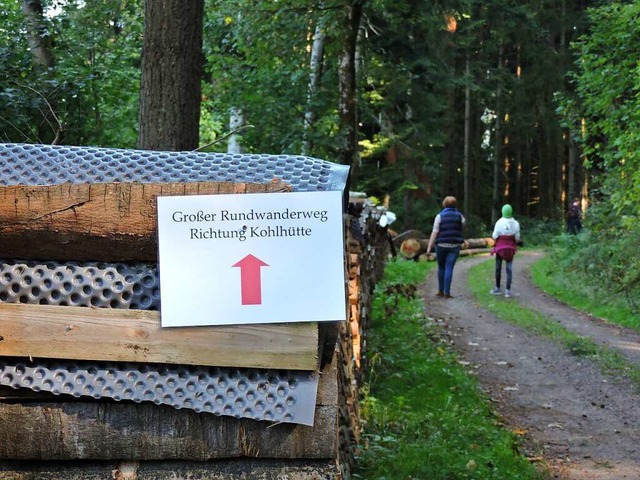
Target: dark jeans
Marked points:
508	268
446	259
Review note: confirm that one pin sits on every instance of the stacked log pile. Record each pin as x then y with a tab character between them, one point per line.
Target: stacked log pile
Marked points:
43	435
368	248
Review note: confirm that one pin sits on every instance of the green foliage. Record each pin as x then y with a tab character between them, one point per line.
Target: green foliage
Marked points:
475	227
401	272
556	274
16	101
608	98
93	85
539	232
100	74
258	62
604	257
412	80
407	79
604	116
423	415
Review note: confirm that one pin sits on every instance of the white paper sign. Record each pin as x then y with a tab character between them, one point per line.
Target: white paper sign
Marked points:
251	258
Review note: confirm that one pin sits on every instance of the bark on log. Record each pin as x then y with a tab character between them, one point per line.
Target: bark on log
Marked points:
413	248
232	469
106	431
92	430
479	243
108	221
474	251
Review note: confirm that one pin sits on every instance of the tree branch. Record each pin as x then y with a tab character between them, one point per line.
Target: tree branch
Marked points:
224	137
60	129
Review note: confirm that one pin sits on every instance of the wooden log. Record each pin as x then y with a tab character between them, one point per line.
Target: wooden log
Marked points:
328	388
414	247
78	333
472	243
109	221
328	333
353	290
409	234
104	430
127	431
18	394
474	251
227	469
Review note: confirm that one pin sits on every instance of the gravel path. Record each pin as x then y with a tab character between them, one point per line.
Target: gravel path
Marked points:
581	423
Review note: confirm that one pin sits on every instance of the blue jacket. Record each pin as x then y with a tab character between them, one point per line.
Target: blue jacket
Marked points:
450	227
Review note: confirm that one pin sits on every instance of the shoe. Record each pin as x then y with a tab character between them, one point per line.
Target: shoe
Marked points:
495	291
446	295
439	294
507	293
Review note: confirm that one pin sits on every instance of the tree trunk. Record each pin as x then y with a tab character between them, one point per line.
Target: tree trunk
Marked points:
560	170
316	62
497	160
467	139
517	175
450	120
37	35
170	90
49	129
236	121
347	95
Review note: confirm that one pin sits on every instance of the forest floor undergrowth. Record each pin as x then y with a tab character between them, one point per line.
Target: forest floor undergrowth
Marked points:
577	420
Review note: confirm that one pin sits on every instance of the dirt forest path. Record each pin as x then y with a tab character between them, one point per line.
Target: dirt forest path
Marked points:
584	424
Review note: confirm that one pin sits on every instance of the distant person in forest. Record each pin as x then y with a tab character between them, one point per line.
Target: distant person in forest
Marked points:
506	233
447	237
574	218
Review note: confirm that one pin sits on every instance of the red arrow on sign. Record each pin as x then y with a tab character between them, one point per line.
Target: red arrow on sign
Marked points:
250	283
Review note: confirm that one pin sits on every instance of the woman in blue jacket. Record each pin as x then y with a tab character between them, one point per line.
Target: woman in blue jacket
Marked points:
448	239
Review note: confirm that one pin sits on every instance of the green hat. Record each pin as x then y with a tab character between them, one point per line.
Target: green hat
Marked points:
507	211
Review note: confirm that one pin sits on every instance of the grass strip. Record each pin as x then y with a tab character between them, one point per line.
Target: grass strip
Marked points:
423	414
480	280
567	287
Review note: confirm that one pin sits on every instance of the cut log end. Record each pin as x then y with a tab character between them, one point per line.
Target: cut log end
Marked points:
414	248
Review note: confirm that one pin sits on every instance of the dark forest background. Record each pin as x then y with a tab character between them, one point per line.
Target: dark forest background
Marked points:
527	102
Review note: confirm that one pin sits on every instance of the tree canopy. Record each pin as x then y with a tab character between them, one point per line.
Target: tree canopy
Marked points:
484	100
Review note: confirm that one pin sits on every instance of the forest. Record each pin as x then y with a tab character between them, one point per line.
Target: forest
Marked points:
528	102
